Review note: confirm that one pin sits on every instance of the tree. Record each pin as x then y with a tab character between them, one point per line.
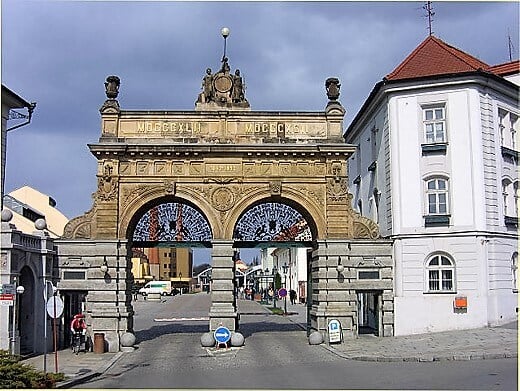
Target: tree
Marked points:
277	281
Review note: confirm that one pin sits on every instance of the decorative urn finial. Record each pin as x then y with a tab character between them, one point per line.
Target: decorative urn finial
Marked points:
112	87
111	105
332	85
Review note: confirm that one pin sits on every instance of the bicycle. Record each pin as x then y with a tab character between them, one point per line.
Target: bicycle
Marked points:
78	342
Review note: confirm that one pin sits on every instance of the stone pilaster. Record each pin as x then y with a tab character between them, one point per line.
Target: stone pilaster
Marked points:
332	298
223	310
108	303
334	289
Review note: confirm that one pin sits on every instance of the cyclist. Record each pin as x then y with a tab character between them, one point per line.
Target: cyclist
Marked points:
79	330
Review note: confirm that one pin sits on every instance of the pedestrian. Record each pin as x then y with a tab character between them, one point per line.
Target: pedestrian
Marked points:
292	296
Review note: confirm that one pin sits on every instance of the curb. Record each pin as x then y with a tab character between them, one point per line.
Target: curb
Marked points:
422	358
90	375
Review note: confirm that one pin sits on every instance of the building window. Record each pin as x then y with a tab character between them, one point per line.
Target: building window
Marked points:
515	197
434	121
440	274
510	201
507	127
437	196
505	195
514	269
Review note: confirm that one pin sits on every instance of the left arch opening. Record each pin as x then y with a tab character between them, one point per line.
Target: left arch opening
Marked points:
171	223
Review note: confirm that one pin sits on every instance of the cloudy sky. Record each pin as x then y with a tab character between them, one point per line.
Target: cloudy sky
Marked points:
58	54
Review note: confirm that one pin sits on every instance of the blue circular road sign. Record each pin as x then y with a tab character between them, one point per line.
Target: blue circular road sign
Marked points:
222	334
282	292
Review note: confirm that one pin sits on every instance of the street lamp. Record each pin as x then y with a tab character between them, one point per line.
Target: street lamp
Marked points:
19	290
180	283
54	291
104	266
275	290
285	267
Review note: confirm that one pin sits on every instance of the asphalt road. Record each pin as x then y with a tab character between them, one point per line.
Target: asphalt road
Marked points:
276	355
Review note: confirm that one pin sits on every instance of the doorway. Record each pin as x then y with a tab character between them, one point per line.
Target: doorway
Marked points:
369	312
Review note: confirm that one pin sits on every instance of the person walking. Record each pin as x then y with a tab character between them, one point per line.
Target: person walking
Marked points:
292	296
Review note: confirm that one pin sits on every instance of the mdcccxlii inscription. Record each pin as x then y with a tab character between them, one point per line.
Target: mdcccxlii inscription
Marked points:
201	128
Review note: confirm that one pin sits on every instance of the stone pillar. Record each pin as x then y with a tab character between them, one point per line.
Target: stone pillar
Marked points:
108	305
332	297
223	311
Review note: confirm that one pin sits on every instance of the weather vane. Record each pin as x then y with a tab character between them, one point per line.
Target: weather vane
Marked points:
225	34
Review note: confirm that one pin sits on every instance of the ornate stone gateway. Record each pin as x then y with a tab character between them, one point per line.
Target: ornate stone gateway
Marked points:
210	175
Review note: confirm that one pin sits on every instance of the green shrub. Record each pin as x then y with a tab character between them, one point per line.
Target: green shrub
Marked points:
14	374
276	311
277	281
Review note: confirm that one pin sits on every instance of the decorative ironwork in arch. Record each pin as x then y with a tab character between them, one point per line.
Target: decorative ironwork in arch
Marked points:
172	222
273	222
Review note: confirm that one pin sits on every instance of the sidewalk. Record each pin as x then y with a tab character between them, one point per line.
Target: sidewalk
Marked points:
77	368
482	343
473	344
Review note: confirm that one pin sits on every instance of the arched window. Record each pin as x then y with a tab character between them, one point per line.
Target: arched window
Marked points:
506	193
515	196
440	272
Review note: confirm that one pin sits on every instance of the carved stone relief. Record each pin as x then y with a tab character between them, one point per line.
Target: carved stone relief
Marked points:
169	187
222	199
107	184
276	188
337	189
80	227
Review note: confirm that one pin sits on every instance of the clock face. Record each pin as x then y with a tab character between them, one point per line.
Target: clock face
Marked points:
223	83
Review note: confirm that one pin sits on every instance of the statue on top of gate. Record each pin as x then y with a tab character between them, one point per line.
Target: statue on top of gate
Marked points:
222	89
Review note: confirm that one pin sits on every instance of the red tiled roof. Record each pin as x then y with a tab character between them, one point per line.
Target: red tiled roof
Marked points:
435	57
508	68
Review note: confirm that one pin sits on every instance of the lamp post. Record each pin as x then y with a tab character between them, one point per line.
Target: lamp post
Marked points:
40	225
19	290
180	286
284	268
275	290
225	34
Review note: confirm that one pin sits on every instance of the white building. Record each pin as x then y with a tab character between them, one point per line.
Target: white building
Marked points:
295	258
28	258
437	169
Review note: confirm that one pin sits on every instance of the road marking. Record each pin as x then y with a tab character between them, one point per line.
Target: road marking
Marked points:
180	319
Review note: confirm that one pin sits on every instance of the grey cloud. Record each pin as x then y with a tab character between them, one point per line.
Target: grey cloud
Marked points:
59	53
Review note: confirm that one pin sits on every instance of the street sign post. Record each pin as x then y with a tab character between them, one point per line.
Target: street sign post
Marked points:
6	299
334	331
222	335
9	289
53	310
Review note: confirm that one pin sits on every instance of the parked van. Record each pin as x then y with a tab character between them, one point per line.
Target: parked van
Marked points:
162	287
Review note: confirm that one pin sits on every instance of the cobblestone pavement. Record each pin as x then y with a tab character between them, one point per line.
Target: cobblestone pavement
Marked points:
481	343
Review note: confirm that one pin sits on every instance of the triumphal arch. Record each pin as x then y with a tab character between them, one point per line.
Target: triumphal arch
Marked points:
204	177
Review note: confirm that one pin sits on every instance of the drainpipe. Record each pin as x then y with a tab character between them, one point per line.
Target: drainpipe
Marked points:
30	108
